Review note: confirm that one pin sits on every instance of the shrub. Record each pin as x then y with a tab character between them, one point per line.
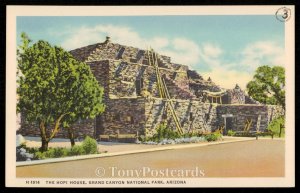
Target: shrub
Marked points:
162	132
76	150
56	152
89	145
213	136
22	154
274	126
231	132
188	135
40	155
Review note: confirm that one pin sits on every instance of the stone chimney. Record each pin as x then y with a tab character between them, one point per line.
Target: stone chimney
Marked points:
237	87
107	40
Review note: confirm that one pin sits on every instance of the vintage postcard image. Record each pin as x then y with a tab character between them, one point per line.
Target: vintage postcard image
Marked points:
196	96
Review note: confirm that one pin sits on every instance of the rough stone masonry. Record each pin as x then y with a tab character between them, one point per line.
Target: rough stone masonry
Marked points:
132	100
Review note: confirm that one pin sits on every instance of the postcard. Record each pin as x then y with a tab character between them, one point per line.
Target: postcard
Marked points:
150	96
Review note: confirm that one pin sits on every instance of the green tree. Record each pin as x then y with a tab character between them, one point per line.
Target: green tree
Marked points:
54	89
268	85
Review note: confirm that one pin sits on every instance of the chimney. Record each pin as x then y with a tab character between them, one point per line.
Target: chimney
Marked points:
107	40
237	87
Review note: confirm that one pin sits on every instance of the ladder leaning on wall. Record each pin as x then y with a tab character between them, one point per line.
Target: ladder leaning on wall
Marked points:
162	88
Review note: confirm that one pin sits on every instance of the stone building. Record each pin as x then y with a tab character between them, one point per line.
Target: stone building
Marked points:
133	104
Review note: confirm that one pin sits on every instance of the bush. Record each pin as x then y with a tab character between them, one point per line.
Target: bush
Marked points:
189	135
23	154
76	150
89	145
162	132
52	153
213	136
40	155
60	152
274	126
231	132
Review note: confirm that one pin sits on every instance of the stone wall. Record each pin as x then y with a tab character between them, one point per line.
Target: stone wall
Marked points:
129	69
81	129
193	115
143	115
126	79
100	69
197	85
123	116
241	113
83	53
236	96
122	79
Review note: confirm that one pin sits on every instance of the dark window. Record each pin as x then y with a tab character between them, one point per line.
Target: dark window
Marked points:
117	117
139	86
191	116
164	116
130	119
206	116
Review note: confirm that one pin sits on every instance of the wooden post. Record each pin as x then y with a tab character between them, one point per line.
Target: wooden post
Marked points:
225	131
137	135
280	130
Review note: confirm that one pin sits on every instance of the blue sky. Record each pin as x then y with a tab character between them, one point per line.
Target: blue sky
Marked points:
226	48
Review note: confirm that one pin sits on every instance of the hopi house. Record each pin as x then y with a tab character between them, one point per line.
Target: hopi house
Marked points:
133	105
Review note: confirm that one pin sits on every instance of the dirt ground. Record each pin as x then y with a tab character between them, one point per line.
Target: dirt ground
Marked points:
257	158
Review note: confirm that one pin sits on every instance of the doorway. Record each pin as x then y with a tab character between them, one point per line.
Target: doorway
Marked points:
99	125
139	86
229	124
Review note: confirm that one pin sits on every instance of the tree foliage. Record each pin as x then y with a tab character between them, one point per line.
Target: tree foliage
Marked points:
268	85
54	89
277	126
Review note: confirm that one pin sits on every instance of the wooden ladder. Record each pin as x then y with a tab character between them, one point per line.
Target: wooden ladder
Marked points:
163	91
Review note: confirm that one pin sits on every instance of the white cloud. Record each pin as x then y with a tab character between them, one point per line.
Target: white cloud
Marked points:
212	50
210	55
90	35
262	53
227	78
241	70
180	50
220	73
159	43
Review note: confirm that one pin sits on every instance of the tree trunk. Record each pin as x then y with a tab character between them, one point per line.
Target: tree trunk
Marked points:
44	145
71	136
45	141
